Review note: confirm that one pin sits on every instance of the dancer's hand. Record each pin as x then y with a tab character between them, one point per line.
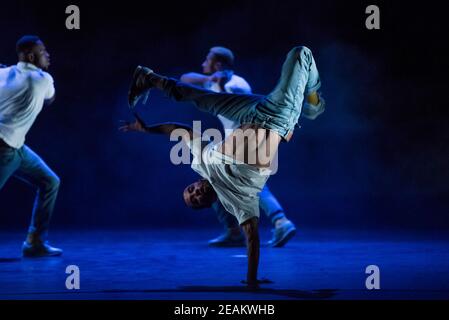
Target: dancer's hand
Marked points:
221	77
132	126
255	285
126	126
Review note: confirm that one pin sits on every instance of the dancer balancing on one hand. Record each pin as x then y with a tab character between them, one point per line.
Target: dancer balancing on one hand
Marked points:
236	173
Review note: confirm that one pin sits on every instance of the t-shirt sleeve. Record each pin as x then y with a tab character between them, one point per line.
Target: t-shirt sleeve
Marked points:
238	85
50	90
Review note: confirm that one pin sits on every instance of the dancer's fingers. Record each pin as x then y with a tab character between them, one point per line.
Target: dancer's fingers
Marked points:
138	118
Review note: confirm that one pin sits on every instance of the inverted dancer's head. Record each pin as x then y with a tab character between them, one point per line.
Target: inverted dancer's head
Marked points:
199	195
218	59
32	50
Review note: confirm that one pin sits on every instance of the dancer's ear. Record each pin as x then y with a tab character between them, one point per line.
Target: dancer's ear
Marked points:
31	57
218	65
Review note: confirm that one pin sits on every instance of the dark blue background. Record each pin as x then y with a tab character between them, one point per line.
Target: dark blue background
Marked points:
377	158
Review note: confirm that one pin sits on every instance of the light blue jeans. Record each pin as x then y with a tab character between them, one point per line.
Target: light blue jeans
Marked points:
278	111
268	203
26	165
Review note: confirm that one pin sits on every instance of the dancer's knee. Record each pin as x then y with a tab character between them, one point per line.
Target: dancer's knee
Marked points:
300	51
51	183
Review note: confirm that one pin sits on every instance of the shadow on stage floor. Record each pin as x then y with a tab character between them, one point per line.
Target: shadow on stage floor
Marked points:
179	265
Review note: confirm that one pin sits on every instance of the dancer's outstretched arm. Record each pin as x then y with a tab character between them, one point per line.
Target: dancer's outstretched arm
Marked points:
160	128
220	77
195	78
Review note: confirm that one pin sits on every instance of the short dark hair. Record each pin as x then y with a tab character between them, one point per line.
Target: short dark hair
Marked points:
223	55
26	43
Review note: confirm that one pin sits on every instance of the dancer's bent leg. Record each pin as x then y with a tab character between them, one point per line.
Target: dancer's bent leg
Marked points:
299	76
34	171
232	236
236	107
270	205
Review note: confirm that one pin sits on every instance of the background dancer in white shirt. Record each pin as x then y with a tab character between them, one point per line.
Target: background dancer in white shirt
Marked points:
24	89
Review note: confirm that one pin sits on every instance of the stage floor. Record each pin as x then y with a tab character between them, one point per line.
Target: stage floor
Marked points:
178	264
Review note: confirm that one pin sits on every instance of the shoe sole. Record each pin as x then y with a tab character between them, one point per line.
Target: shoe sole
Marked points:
290	234
133	102
316	115
42	255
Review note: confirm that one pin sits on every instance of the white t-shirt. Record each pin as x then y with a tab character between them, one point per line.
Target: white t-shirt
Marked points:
237	184
235	85
23	90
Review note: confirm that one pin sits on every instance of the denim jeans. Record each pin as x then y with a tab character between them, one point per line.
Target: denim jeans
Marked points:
268	203
278	111
26	165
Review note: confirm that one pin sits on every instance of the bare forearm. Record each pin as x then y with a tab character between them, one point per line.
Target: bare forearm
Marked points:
194	78
166	128
253	260
253	247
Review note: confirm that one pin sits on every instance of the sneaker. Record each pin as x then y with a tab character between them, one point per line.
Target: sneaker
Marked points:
139	87
282	234
228	240
311	111
40	249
